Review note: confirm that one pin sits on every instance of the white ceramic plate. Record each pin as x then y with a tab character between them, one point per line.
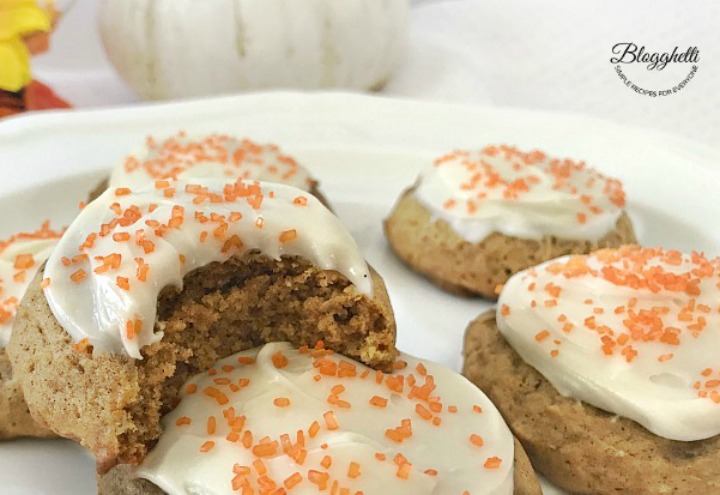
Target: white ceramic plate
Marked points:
364	150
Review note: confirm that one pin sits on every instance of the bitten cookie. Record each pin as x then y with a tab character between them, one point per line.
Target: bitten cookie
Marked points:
20	257
474	218
214	156
149	287
605	368
306	420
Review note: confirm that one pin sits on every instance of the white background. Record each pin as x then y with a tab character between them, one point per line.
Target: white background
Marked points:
519	53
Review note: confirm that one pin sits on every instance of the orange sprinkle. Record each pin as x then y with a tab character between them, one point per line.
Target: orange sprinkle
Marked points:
122	191
404	471
281	402
82	346
265	450
121	237
216	394
477	440
45	283
260	467
288	235
78	276
279	360
207	446
183	421
247	439
318	478
423	412
292	480
492	463
191	388
353	470
330	421
314	429
24	261
130	330
542	335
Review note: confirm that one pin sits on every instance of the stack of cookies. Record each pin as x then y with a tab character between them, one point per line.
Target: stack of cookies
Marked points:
203	330
600	354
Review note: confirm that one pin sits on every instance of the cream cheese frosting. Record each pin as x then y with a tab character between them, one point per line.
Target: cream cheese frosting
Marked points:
215	156
310	421
633	331
525	195
103	280
20	257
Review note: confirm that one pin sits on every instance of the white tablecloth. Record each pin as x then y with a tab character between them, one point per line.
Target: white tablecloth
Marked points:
521	53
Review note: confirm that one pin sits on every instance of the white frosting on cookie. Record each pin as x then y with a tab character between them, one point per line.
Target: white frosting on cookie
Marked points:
633	331
524	195
20	257
215	156
308	421
126	246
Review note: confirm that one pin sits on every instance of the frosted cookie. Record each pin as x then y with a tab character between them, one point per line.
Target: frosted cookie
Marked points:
605	367
20	257
151	286
473	218
214	156
276	419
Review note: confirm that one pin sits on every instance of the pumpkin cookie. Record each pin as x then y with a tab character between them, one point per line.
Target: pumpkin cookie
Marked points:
474	218
20	257
149	287
605	367
311	420
215	156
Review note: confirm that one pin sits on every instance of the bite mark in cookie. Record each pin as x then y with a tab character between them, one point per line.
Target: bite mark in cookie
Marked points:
150	287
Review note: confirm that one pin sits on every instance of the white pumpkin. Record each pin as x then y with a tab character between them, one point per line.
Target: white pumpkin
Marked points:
186	48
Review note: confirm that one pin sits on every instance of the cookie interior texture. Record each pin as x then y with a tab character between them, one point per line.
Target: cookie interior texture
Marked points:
120	480
433	249
15	419
112	404
578	447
